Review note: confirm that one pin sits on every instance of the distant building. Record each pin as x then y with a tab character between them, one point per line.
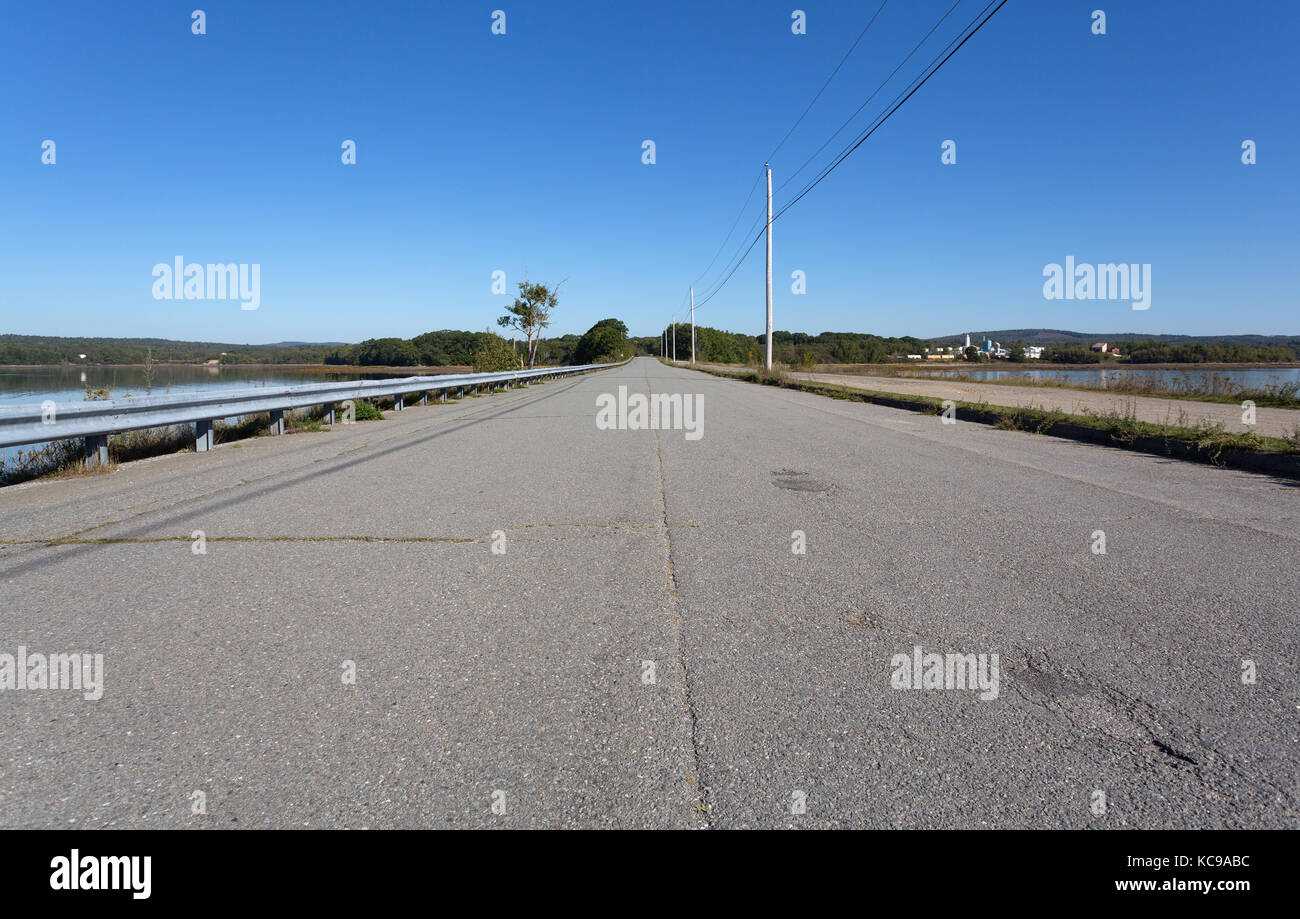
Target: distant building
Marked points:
1100	346
1033	352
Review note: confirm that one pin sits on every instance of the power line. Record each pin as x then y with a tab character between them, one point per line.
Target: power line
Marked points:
953	47
866	134
796	124
867	101
790	178
734	224
828	80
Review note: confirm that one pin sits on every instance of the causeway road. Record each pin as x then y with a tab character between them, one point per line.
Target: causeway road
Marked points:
495	613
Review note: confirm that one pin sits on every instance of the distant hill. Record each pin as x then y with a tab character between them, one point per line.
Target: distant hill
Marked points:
447	347
1060	336
304	344
50	349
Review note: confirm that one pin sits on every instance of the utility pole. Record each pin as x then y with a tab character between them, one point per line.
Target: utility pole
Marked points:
674	339
692	325
768	363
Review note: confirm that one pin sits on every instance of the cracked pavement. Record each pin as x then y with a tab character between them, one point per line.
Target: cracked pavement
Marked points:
523	673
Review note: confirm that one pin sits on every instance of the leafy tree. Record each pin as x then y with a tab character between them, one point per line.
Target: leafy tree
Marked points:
531	313
557	350
494	354
605	341
387	352
448	346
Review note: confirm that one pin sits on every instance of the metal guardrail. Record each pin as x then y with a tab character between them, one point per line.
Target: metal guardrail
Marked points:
96	420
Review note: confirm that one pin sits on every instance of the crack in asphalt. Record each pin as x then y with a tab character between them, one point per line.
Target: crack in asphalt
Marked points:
703	802
185	506
355	537
1050	684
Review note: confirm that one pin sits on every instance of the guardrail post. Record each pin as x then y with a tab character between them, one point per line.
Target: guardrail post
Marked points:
96	451
204	438
423	400
328	416
442	395
397	402
277	423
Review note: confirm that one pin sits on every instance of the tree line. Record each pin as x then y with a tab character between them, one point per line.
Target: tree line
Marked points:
721	347
1159	352
50	349
608	338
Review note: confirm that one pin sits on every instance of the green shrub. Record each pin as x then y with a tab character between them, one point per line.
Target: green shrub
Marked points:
494	354
366	411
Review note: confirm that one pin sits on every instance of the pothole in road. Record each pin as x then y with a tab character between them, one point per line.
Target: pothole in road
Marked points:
792	480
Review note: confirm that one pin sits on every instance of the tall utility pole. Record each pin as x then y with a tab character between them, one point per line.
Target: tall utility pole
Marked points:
768	363
674	339
692	325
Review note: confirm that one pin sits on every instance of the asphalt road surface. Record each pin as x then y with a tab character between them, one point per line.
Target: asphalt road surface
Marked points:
648	650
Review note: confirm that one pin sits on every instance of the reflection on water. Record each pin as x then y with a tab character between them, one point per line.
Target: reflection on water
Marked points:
70	384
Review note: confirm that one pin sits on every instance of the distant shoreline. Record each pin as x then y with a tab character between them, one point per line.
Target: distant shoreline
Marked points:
305	368
1040	365
1013	367
928	366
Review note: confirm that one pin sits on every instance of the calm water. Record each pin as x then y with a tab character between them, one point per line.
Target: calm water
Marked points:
69	384
1254	377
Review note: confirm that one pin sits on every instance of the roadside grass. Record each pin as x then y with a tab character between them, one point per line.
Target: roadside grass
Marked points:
1122	426
59	459
295	423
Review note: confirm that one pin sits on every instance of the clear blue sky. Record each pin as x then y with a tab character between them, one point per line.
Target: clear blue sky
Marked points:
479	152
